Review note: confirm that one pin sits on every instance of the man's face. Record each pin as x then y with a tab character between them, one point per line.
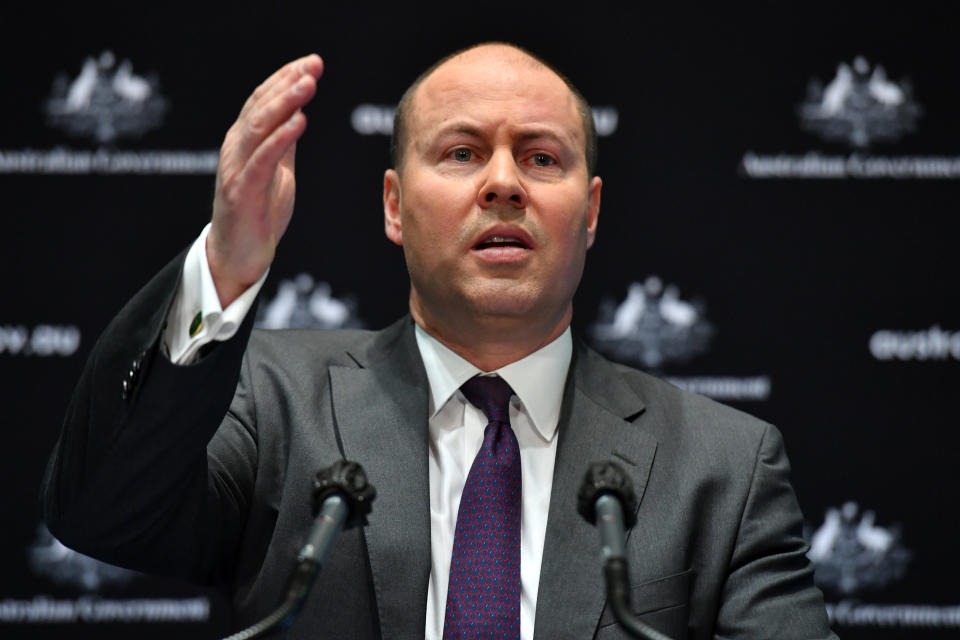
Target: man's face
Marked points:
494	207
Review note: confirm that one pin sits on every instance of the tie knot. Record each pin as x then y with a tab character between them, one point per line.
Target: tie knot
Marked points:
490	394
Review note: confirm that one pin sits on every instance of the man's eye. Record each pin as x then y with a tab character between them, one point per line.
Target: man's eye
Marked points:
543	160
462	155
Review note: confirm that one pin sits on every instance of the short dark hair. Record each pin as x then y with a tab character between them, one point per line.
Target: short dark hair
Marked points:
398	138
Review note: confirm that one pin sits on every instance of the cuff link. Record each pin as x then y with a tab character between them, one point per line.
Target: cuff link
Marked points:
196	325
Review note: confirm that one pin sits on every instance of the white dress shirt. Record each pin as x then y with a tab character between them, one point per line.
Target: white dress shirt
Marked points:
456	435
456	427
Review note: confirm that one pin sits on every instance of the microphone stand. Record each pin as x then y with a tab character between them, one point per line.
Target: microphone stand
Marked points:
342	499
605	497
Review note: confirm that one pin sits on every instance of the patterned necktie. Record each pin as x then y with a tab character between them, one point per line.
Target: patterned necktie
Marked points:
483	596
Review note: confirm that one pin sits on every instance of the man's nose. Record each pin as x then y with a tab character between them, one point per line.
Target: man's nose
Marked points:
501	185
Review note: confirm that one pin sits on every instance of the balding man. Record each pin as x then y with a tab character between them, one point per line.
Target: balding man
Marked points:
203	469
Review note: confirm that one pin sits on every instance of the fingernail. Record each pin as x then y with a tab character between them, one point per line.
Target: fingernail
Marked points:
297	88
292	122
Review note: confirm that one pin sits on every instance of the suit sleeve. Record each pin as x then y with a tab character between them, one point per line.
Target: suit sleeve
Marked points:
129	480
769	590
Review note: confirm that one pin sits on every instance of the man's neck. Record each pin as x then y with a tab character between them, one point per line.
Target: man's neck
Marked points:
492	343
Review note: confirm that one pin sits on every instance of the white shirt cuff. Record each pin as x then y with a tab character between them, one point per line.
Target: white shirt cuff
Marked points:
196	318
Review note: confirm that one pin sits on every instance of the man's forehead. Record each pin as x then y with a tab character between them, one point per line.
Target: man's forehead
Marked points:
495	52
481	63
489	74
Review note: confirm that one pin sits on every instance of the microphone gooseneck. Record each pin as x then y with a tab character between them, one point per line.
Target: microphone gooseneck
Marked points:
342	498
606	499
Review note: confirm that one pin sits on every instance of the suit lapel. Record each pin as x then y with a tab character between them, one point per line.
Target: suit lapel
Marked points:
595	425
381	416
380	413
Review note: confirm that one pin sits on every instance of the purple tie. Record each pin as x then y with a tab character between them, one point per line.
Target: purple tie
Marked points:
483	596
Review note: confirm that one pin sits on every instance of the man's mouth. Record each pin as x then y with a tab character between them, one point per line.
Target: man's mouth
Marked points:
504	246
497	242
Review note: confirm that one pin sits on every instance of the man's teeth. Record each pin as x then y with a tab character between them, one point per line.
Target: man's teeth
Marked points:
500	241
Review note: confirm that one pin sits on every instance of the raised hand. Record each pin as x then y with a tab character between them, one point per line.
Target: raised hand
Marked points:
255	178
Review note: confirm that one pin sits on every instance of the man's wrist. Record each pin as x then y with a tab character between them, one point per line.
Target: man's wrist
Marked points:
198	315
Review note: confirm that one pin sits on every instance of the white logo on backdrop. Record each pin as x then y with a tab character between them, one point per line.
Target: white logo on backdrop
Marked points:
42	340
301	303
929	344
377	119
654	326
106	100
605	119
373	119
853	554
49	558
859	106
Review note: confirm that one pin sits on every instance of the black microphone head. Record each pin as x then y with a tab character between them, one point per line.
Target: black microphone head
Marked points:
348	480
607	478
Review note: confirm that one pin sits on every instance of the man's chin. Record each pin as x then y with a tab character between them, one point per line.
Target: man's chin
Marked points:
490	301
502	311
522	313
507	298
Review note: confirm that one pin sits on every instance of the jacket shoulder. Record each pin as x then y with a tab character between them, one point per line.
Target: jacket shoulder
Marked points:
322	348
679	419
329	346
687	403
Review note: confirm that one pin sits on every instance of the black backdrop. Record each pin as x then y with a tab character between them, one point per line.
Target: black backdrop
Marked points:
774	273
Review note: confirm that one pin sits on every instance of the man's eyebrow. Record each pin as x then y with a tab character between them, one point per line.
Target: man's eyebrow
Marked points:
532	133
460	127
540	132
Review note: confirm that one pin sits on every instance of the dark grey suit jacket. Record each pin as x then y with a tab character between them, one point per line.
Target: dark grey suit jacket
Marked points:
204	472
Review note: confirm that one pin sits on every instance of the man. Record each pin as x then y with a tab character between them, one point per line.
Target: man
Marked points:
202	468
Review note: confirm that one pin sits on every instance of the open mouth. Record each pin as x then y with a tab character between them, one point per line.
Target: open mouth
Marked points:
500	242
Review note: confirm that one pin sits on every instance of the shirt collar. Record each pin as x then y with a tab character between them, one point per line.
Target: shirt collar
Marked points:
536	379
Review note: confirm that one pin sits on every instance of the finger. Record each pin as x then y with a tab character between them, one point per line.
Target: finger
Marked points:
281	80
261	123
264	161
286	75
289	158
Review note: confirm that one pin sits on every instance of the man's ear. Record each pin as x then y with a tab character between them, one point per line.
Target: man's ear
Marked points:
391	207
593	209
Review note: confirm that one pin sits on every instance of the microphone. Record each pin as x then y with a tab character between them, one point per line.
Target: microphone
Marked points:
342	498
606	499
